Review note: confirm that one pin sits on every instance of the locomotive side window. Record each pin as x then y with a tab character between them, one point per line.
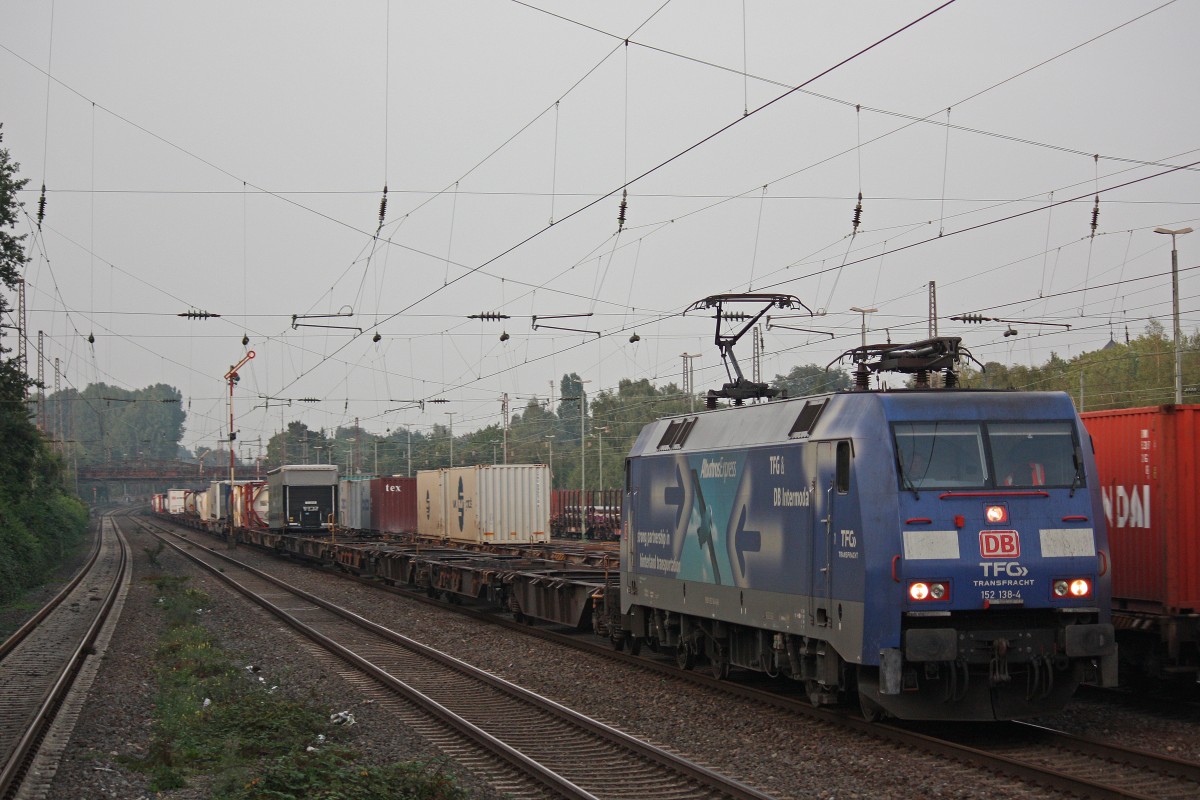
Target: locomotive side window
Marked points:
1028	454
940	455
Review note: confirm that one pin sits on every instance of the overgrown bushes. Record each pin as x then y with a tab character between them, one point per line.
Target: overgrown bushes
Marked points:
36	533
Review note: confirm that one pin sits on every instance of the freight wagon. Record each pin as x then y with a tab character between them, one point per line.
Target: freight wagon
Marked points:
303	497
1147	465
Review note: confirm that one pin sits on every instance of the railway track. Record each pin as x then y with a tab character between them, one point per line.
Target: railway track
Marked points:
1039	756
49	657
539	747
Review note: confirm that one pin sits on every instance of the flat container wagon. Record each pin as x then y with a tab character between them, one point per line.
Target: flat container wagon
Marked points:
303	497
354	504
496	504
394	505
1148	477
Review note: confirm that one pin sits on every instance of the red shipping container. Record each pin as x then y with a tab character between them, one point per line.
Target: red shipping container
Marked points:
1147	463
394	505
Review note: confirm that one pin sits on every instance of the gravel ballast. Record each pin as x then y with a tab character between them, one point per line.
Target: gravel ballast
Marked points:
780	754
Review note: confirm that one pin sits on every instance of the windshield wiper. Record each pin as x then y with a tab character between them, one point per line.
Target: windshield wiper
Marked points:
908	484
1078	479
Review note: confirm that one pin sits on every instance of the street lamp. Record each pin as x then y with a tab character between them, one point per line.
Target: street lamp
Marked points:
1175	309
864	312
600	455
689	378
582	459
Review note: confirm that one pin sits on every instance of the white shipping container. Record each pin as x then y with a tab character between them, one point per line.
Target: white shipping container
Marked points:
497	504
203	499
175	501
354	504
254	513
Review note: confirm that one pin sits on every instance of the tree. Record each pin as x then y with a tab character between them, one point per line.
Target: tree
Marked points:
806	379
38	521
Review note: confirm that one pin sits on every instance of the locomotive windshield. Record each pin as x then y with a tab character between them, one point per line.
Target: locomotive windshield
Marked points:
949	455
1034	454
940	454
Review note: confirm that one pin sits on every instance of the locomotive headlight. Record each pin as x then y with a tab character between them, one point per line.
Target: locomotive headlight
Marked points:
996	515
1080	588
928	590
1061	588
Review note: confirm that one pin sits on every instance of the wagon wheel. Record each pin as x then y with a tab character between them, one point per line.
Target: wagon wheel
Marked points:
815	695
618	642
718	662
635	645
684	657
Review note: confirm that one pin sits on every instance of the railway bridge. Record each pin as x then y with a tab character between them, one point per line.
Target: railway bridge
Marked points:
136	481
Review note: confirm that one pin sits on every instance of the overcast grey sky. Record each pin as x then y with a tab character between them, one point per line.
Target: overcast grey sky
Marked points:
230	157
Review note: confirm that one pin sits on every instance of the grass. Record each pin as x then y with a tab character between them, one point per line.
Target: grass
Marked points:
213	719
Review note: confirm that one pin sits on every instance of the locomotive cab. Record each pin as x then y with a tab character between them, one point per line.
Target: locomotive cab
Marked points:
1000	574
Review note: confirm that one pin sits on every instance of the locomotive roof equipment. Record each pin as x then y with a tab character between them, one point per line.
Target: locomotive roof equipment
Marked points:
739	389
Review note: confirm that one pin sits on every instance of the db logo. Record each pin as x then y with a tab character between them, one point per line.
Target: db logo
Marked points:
999	544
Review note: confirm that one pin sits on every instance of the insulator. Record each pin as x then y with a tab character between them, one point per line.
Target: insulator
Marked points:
621	210
976	318
857	213
41	207
1095	214
383	206
489	315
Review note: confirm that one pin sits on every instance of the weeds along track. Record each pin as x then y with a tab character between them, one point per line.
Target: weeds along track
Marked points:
539	746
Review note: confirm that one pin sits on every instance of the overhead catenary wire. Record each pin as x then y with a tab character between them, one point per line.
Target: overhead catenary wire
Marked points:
885	247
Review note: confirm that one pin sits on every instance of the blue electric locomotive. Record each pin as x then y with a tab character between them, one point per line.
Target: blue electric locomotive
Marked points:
940	551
